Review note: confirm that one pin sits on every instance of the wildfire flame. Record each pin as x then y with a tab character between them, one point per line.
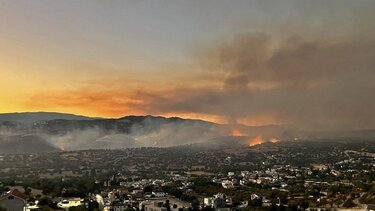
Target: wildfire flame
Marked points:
255	141
62	147
274	140
236	132
260	140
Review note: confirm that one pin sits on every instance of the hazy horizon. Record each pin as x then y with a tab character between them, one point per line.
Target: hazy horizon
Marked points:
304	63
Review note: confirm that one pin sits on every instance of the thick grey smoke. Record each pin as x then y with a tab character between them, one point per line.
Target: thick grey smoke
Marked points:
172	134
76	139
312	84
147	134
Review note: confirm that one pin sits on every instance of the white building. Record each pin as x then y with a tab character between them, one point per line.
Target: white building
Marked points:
159	194
68	203
227	184
217	201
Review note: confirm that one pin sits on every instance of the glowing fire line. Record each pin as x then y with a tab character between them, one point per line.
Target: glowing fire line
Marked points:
256	140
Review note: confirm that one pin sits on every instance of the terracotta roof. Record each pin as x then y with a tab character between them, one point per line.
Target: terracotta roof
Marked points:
18	194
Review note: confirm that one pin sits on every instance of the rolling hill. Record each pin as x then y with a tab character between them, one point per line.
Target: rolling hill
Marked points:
44	131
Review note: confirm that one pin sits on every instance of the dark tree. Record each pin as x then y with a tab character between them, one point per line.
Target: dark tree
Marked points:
304	204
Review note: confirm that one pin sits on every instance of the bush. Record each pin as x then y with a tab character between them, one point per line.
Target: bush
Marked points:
349	204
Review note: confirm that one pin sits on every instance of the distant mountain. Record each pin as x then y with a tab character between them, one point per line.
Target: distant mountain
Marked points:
78	132
24	132
29	117
146	130
159	119
128	124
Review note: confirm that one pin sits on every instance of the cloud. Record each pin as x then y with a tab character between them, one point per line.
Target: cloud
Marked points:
93	100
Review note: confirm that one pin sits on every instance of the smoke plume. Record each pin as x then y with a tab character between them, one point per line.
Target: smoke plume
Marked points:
315	84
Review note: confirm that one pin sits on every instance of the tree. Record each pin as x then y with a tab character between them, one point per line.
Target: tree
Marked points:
349	204
27	191
304	204
78	208
148	188
188	198
273	207
256	203
167	205
45	201
195	205
292	206
208	209
93	205
172	190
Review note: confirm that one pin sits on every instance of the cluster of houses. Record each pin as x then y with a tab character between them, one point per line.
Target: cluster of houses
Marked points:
137	199
156	200
219	201
14	200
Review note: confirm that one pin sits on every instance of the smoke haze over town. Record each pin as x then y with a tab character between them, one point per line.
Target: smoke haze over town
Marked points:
187	105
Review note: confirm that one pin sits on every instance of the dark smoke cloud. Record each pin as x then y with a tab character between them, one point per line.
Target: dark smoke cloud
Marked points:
308	83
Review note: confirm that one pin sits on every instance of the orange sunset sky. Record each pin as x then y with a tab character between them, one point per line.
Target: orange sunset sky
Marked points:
251	62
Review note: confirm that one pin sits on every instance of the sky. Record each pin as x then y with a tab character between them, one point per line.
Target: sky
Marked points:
305	63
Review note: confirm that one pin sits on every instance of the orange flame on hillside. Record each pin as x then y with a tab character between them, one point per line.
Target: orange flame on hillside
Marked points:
61	147
260	140
274	140
255	141
236	132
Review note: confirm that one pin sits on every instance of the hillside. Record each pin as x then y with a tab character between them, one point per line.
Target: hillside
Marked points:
24	132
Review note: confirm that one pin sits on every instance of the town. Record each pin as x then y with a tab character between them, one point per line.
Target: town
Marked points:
287	175
187	105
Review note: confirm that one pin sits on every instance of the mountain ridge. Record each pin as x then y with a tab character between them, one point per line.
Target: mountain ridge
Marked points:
40	116
75	132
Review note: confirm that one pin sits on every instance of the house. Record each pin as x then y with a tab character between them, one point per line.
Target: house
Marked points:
159	194
119	206
154	206
227	184
68	203
254	196
31	206
13	200
208	202
370	207
217	201
158	204
319	167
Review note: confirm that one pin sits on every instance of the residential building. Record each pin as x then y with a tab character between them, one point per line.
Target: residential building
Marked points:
13	200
